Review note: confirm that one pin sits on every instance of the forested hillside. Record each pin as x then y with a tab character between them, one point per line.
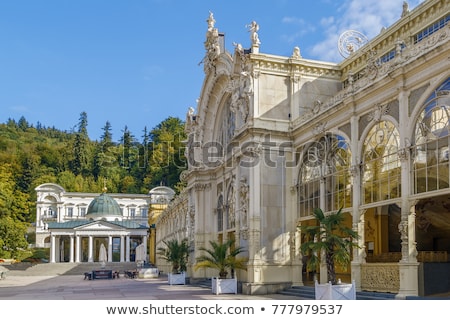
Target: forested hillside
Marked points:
32	154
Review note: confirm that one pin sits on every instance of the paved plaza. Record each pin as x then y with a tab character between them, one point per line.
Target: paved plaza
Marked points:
74	287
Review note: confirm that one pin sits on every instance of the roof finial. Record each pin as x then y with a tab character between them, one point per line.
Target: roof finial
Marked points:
104	185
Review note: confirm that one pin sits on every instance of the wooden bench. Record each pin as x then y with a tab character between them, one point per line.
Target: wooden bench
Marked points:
89	275
102	274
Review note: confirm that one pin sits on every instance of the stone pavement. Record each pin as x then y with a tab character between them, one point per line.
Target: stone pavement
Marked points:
74	287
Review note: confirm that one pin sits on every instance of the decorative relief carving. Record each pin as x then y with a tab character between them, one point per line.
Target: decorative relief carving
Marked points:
354	170
319	128
403	229
291	243
241	88
191	213
212	45
202	186
403	154
380	277
296	53
239	52
183	175
316	106
378	112
374	71
230	205
256	74
191	120
244	202
295	79
372	66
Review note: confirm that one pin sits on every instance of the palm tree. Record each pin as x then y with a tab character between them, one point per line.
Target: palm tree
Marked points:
332	238
222	257
176	252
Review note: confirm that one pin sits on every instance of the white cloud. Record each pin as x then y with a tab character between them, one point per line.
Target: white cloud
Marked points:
302	26
367	17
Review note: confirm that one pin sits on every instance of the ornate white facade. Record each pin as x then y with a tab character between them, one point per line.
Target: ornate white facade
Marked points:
74	225
274	137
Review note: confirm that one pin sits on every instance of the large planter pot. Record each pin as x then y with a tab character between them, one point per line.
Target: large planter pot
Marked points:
145	273
327	291
177	278
220	286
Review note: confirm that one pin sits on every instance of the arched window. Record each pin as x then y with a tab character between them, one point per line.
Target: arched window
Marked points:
327	160
381	170
430	156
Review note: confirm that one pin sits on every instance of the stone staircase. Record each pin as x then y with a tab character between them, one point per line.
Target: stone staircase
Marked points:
309	292
300	291
202	283
53	269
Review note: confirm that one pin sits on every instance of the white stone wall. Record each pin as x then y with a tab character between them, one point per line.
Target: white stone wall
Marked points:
293	102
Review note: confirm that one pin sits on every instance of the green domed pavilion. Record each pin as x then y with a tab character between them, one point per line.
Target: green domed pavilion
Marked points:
103	207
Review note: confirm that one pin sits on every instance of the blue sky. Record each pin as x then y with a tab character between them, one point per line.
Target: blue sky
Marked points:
136	62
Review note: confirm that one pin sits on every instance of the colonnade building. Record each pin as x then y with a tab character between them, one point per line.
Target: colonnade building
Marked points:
274	137
74	225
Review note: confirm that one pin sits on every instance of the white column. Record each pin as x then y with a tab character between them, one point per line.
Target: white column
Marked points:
254	221
52	249
359	252
122	248
323	264
127	252
78	249
145	242
91	249
59	214
72	249
408	265
110	248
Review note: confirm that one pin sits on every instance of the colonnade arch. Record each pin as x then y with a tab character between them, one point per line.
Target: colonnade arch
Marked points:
395	216
86	248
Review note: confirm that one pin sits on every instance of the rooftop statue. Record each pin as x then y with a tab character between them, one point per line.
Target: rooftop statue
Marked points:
253	28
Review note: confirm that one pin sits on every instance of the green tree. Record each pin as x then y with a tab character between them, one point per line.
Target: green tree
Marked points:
128	155
23	124
29	170
14	214
67	180
167	159
106	137
330	237
176	253
106	160
81	156
221	256
127	184
12	237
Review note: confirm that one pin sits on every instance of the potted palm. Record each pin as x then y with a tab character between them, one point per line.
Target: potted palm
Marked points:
176	252
330	239
222	256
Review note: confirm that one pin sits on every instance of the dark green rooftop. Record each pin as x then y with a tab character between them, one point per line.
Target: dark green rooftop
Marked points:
103	206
